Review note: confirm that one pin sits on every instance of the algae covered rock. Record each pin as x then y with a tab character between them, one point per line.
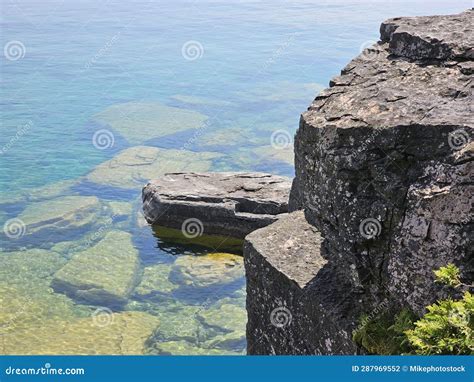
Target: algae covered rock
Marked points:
134	166
139	122
120	333
104	274
207	270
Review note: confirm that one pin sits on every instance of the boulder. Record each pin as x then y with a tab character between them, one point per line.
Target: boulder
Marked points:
104	274
224	203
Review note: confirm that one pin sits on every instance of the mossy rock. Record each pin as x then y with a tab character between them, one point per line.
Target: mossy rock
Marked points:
225	243
121	333
139	122
104	274
135	166
207	270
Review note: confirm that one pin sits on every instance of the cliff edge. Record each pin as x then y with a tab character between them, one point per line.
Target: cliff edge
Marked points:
384	174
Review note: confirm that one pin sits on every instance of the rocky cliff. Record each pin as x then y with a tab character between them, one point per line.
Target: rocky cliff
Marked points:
384	174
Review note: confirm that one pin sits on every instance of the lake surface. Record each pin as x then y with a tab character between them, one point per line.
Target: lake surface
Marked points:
97	97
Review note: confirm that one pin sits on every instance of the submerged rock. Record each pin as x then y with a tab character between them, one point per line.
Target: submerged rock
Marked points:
184	348
136	165
156	279
206	270
104	274
224	203
139	122
55	220
121	333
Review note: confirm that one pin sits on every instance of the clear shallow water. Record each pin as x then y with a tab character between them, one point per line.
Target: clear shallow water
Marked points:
215	78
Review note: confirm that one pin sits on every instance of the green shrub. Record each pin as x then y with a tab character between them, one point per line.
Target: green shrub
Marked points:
385	334
447	328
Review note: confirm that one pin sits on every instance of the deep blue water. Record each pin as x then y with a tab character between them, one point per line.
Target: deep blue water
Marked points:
250	67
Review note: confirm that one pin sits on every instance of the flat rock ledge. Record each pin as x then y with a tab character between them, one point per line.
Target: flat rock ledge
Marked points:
219	203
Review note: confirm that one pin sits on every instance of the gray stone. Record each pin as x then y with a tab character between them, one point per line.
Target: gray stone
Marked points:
296	301
383	162
225	203
430	37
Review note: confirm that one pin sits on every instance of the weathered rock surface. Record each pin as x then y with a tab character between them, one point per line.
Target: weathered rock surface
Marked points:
104	274
384	172
297	302
225	203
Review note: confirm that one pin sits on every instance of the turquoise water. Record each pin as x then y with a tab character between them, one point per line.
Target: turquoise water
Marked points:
214	77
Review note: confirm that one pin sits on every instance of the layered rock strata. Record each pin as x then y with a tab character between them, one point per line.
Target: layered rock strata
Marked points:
225	203
384	173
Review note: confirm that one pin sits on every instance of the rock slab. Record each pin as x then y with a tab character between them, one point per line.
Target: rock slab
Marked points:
225	203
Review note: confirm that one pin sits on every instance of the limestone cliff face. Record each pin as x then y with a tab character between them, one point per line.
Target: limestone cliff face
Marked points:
384	174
